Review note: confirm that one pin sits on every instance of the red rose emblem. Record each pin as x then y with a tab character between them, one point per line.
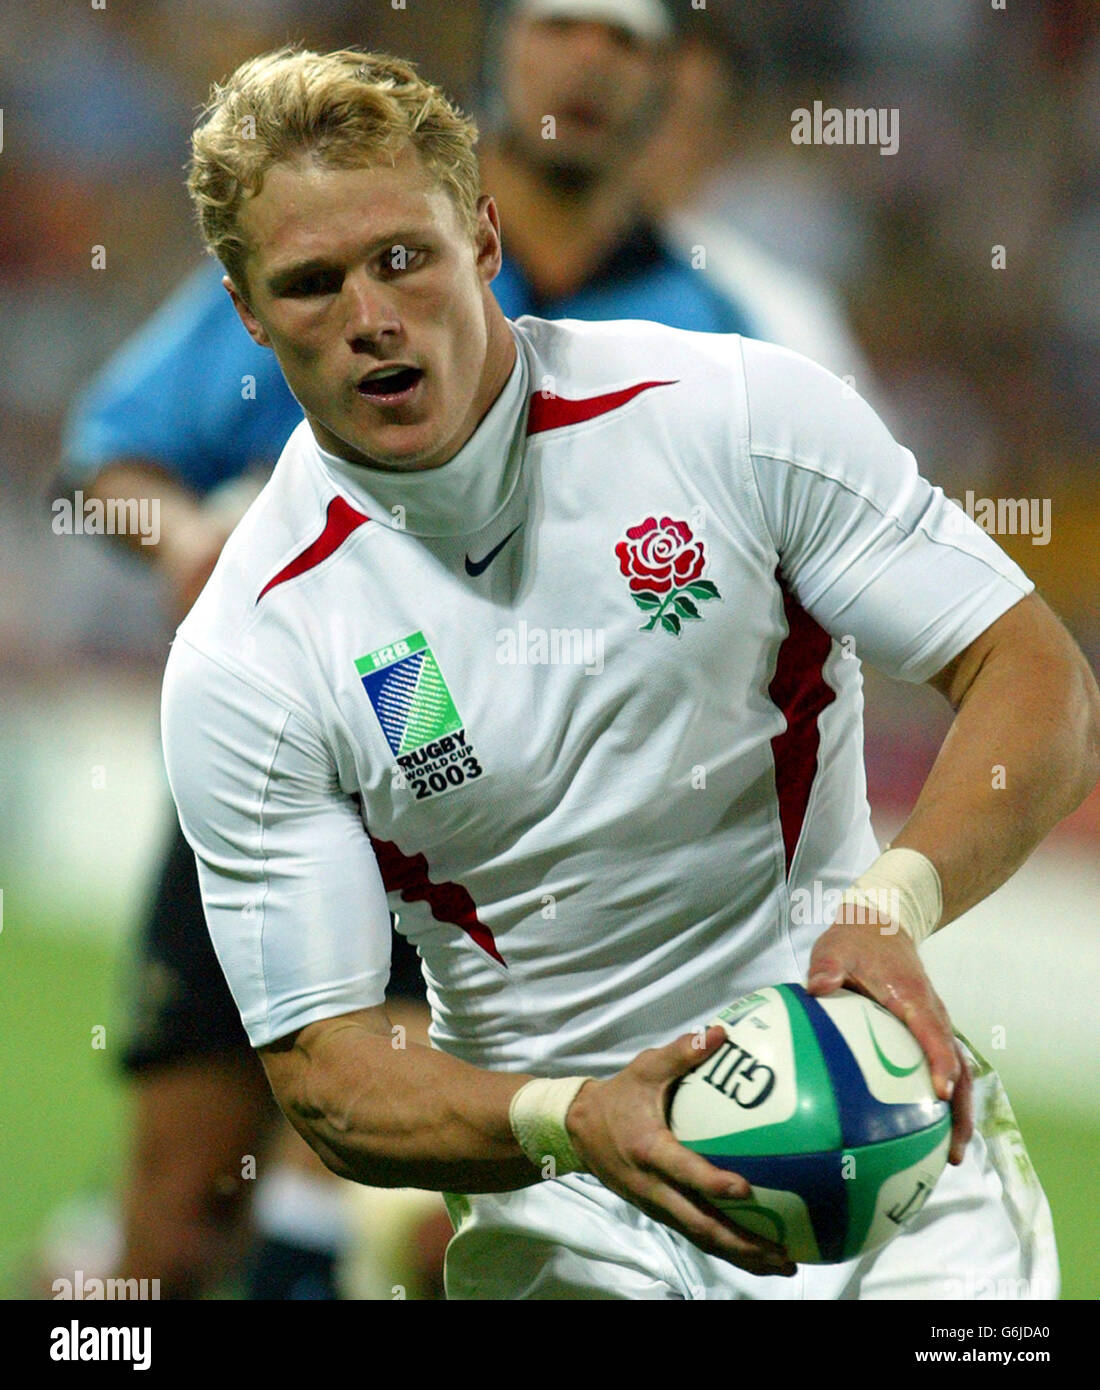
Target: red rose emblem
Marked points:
659	556
664	564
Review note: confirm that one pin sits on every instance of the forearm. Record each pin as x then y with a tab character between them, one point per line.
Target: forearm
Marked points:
179	510
1022	753
189	533
400	1116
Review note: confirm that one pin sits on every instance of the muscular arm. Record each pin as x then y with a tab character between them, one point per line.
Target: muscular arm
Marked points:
397	1116
1026	703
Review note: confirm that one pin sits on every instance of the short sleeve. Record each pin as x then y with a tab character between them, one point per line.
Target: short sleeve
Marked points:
868	547
291	889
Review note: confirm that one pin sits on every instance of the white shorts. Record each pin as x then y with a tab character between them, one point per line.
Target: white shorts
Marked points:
985	1233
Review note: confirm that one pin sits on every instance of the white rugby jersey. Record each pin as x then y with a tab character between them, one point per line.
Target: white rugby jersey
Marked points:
584	702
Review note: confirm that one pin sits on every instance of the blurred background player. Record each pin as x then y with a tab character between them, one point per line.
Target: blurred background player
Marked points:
192	412
600	136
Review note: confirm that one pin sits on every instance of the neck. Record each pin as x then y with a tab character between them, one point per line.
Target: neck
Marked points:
500	356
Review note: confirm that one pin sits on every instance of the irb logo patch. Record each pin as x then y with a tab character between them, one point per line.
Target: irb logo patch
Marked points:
418	716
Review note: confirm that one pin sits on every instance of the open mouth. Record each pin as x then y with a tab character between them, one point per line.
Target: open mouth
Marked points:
390	385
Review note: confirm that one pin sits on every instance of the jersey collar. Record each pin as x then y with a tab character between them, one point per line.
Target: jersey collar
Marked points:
461	496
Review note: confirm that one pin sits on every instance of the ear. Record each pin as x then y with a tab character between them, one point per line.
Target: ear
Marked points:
256	330
487	241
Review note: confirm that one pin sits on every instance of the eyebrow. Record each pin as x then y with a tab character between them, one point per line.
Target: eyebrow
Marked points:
283	276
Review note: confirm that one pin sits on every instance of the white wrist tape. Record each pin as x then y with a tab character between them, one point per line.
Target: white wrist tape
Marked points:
902	886
537	1116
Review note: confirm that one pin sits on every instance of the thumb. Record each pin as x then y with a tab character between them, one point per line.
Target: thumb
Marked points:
826	973
660	1066
687	1052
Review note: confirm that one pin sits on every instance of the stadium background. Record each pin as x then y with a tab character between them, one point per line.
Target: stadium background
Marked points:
985	373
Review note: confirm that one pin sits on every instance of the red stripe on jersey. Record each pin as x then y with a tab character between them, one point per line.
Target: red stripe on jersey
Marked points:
800	692
341	520
554	412
407	874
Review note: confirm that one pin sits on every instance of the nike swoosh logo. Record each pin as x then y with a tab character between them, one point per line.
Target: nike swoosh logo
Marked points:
891	1067
476	567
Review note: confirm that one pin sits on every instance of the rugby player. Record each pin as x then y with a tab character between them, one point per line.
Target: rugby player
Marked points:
342	723
192	412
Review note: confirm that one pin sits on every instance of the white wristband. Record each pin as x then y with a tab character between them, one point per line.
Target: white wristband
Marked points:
902	886
537	1116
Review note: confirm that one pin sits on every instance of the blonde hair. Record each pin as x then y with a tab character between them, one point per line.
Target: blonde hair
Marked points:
347	109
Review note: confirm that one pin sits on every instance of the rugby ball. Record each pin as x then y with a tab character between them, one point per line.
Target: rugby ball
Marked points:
825	1106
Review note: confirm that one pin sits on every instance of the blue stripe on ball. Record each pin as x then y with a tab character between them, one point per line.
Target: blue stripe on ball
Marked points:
863	1119
816	1178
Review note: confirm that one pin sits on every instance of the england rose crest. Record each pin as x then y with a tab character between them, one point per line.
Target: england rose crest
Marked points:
664	563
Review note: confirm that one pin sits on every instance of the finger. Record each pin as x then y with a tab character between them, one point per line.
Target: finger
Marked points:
962	1111
841	956
908	994
924	1015
837	954
661	1065
712	1231
670	1161
827	971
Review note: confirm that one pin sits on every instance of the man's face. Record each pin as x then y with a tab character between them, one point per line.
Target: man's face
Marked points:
601	85
355	270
